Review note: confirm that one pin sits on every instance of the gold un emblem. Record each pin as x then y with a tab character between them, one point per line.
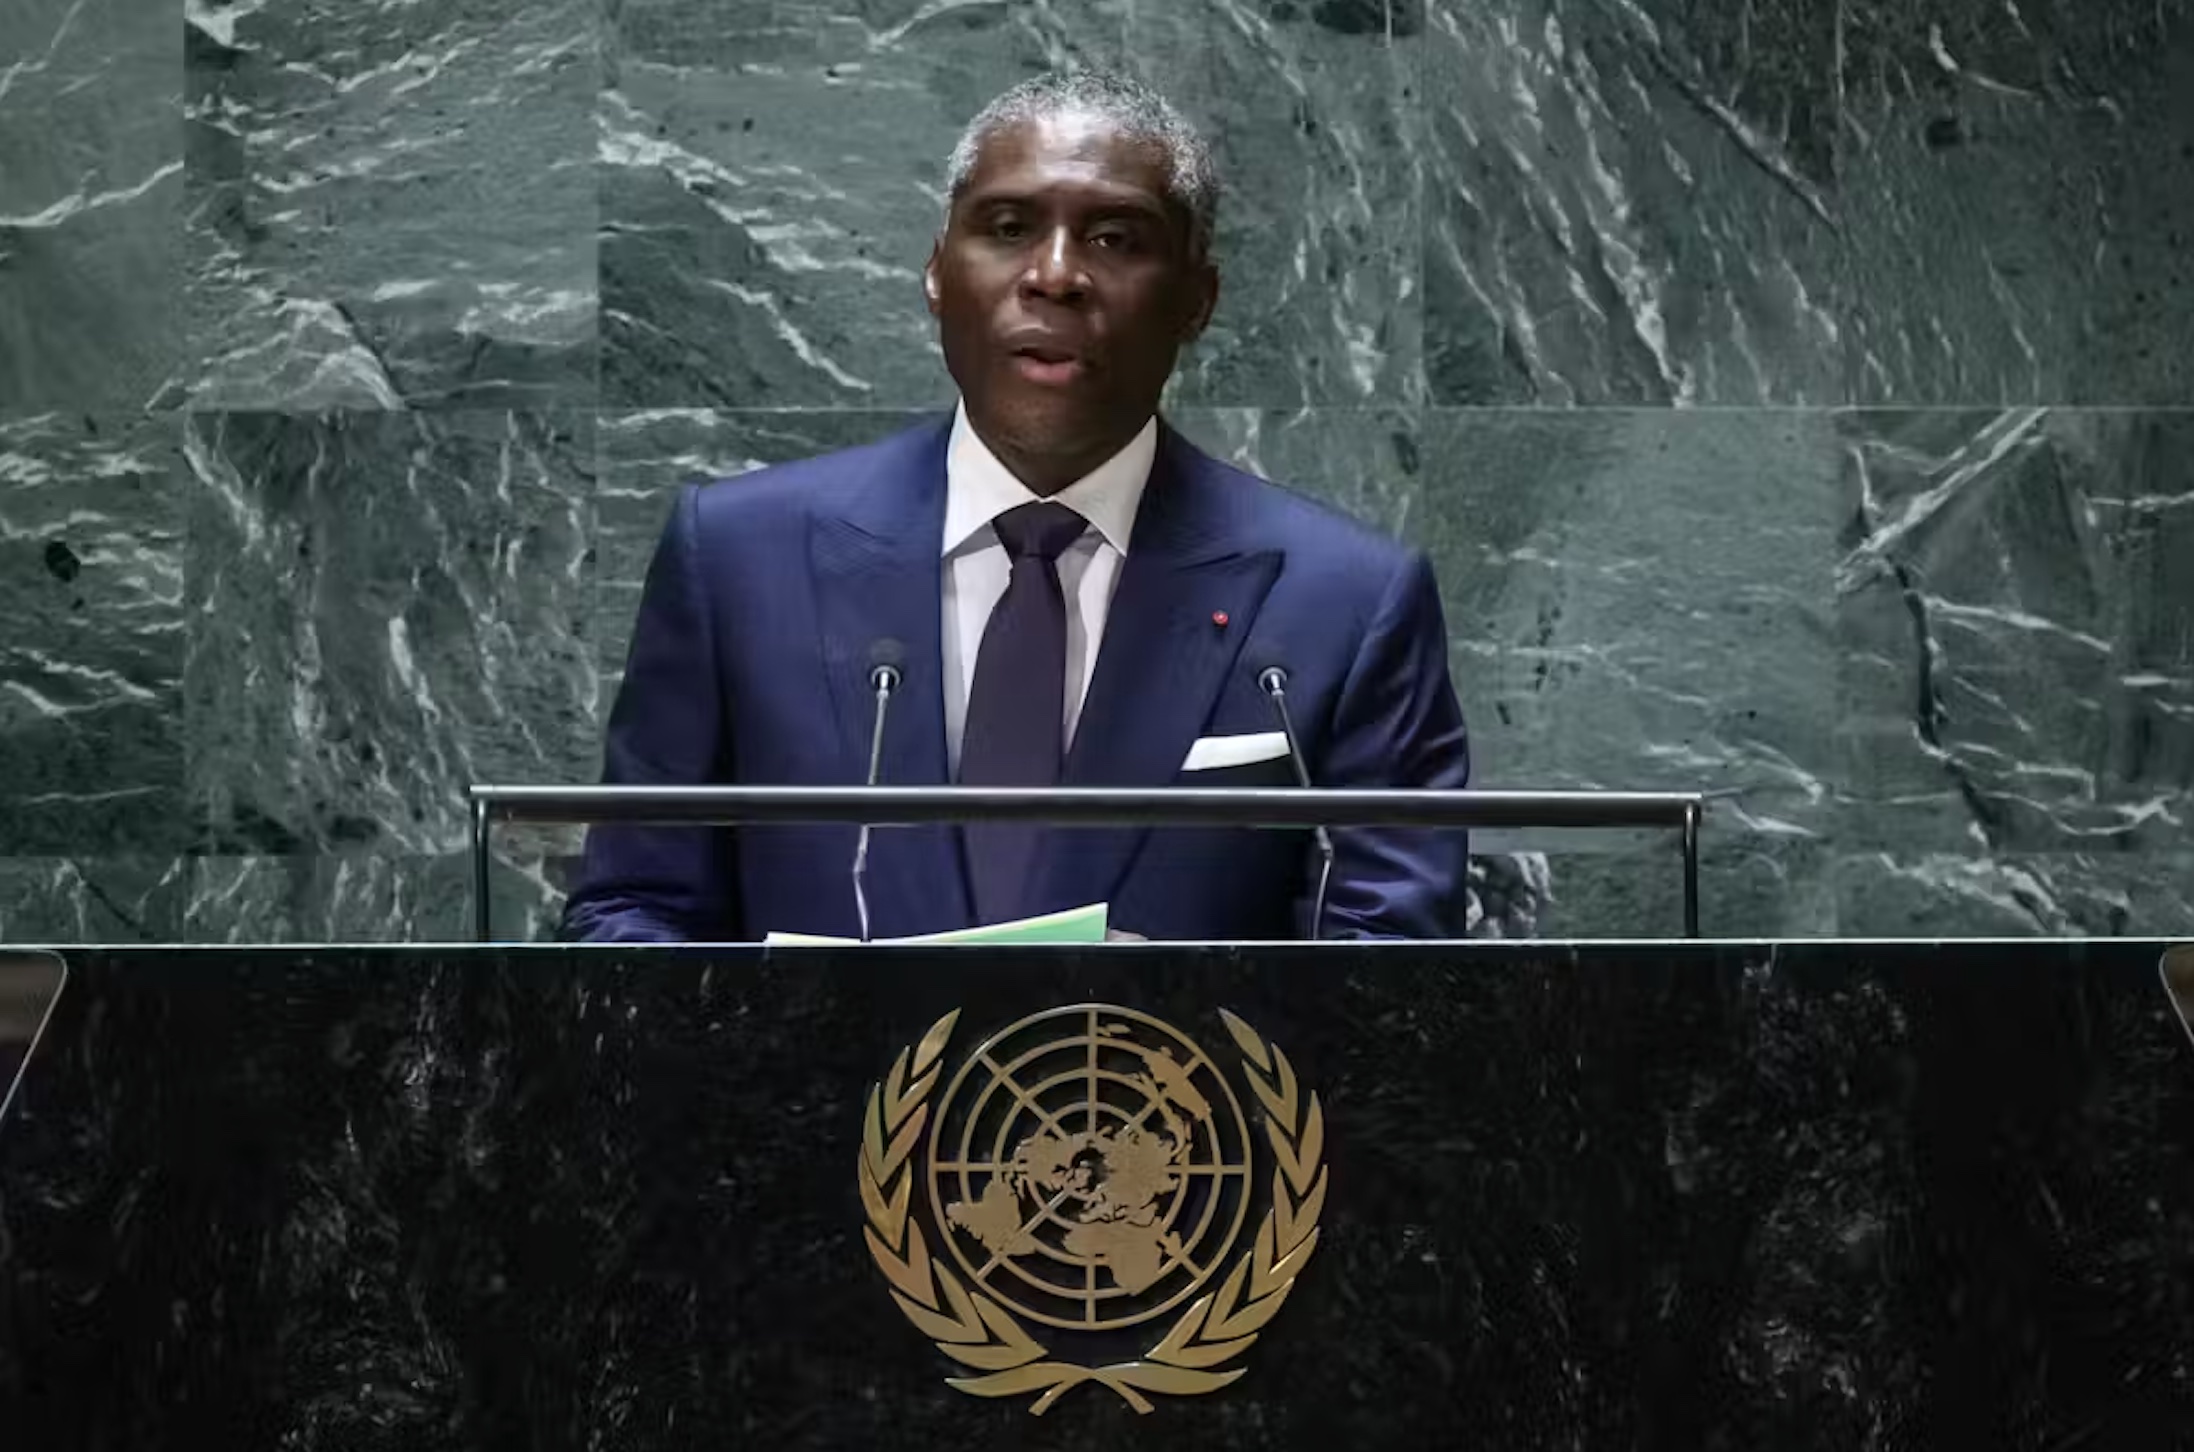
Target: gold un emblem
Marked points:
1088	1173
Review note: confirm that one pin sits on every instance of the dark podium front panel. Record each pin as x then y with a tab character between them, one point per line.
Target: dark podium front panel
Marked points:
1667	1196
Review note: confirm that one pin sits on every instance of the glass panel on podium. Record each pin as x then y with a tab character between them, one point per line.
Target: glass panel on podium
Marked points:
30	985
2178	972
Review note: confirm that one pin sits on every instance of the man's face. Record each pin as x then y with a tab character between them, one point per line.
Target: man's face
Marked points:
1064	287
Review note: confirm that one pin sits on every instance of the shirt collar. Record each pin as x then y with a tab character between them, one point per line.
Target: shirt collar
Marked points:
978	488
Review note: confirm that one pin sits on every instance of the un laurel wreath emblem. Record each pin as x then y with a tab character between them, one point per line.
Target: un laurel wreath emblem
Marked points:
1088	1172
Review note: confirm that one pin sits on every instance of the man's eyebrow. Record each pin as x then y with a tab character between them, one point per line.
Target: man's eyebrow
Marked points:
1135	207
1139	208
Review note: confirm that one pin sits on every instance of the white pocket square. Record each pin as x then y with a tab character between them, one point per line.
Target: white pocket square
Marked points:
1210	752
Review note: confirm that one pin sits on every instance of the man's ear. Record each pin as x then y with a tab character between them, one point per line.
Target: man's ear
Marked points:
929	278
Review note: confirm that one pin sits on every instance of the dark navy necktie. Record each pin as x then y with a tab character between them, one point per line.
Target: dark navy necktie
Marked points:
1015	730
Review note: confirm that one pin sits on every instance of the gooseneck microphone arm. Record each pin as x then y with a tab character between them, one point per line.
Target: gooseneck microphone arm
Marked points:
884	675
1272	680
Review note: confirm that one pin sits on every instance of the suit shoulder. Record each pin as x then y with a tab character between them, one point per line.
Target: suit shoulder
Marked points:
792	492
1315	534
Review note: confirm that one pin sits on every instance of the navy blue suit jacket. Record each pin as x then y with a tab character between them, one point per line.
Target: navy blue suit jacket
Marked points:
749	664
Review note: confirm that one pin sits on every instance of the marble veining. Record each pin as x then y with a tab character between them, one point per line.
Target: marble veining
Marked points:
2019	633
91	185
390	206
1623	209
94	899
383	609
2017	186
91	648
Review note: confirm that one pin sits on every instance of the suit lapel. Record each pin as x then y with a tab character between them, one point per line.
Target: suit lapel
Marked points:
1163	661
878	575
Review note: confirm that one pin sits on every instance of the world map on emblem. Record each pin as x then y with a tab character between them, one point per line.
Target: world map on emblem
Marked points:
1090	1166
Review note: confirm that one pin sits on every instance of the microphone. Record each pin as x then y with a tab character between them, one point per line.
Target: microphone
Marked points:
885	659
1272	680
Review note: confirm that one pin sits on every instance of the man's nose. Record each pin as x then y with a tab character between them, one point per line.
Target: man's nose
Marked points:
1055	269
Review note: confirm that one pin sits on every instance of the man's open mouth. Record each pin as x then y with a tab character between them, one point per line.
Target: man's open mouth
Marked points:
1048	363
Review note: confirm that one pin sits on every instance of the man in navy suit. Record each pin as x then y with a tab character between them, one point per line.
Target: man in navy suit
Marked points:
1082	599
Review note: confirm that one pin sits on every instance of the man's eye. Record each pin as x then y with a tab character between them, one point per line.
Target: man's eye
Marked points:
1116	239
1008	228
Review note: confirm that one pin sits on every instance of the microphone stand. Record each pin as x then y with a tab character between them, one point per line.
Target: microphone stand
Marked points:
1273	681
884	678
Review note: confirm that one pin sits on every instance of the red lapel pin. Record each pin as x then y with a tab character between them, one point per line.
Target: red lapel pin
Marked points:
1219	618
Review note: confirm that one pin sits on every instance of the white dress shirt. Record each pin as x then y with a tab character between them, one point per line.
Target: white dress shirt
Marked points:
977	490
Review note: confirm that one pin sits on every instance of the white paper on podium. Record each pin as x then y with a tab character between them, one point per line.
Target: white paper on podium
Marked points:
1074	925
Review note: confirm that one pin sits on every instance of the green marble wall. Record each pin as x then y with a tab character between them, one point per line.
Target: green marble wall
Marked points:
1793	396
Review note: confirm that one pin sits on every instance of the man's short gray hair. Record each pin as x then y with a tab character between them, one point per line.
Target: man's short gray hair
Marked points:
1141	114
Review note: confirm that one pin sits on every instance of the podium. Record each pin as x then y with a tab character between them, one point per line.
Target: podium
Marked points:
1887	1195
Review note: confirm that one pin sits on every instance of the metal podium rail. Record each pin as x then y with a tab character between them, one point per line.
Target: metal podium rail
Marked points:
1257	807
